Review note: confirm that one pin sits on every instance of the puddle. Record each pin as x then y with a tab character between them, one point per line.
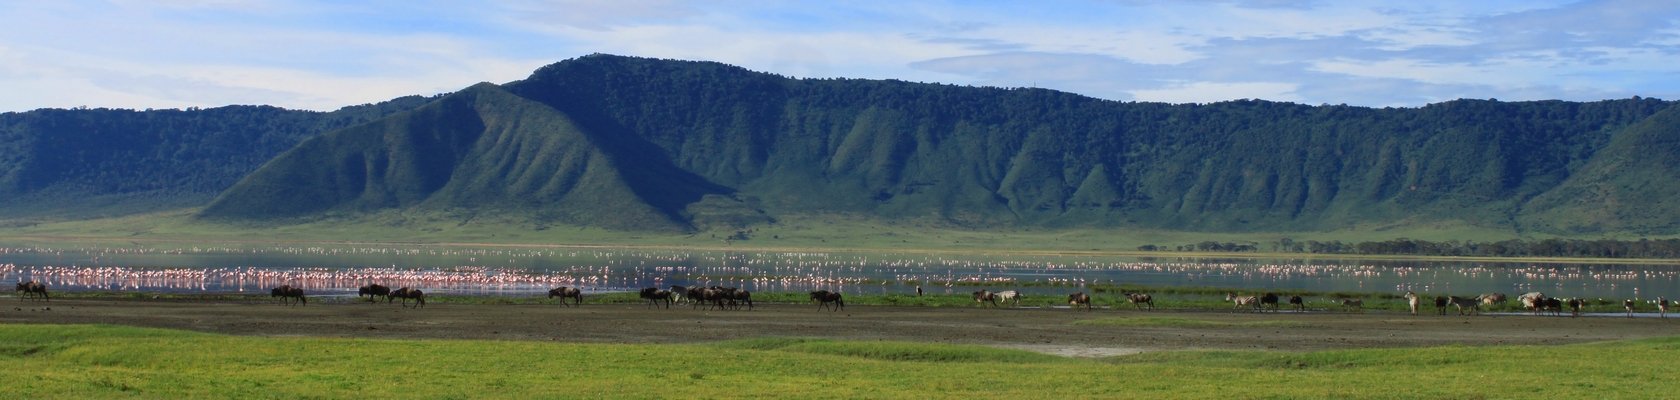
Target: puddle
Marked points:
1076	351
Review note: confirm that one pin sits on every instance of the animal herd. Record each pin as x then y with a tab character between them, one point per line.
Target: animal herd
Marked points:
729	298
722	298
1535	303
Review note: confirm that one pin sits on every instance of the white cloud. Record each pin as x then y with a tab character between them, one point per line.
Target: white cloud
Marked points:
1411	37
323	55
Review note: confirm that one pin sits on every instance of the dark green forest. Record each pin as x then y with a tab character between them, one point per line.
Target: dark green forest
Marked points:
100	162
634	143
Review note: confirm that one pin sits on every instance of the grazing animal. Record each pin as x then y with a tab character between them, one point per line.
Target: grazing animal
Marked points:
653	296
1532	301
1489	299
982	296
697	295
738	296
566	293
918	290
1243	301
1080	299
287	292
1552	305
1575	304
1138	300
373	291
1662	307
1628	304
1356	304
1298	303
1413	301
1473	305
1441	304
406	293
33	289
1270	299
824	297
721	297
1011	296
679	293
726	298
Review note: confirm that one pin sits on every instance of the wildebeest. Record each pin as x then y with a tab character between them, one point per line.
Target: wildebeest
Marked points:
1441	304
1011	296
653	296
1552	305
696	295
373	291
982	296
407	293
1079	299
1575	305
736	297
1270	299
31	290
1662	307
1242	301
1356	304
1413	301
723	298
566	292
1628	304
287	292
1475	306
824	297
1138	300
1298	303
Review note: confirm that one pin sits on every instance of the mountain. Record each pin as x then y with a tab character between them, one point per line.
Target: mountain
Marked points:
1632	185
634	143
100	162
481	148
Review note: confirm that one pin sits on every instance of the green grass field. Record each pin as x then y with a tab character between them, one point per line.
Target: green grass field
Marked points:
121	362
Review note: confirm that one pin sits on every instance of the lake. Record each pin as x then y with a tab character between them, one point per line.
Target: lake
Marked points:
531	271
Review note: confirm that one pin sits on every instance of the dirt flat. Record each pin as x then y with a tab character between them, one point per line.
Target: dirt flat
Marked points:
1044	330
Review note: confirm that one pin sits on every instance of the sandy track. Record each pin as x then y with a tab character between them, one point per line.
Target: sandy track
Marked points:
1044	330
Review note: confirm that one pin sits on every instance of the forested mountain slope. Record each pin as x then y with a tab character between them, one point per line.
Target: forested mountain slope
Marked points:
635	143
93	162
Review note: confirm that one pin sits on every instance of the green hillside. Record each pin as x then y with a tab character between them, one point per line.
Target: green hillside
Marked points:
100	162
480	149
1008	157
1632	185
629	143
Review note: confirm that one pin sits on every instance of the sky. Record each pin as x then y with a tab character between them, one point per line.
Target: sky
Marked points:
322	55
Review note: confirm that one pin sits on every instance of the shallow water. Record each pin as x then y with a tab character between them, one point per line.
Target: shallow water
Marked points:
525	271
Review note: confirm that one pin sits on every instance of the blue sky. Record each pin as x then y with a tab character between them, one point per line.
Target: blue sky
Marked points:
323	55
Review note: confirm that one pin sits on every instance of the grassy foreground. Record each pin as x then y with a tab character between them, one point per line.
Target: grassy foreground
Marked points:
79	361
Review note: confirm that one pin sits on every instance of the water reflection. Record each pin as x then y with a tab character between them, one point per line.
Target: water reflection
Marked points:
494	270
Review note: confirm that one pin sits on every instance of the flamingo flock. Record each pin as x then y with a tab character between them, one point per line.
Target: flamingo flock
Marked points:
534	269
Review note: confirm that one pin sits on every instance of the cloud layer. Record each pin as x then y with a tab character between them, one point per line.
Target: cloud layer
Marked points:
324	55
